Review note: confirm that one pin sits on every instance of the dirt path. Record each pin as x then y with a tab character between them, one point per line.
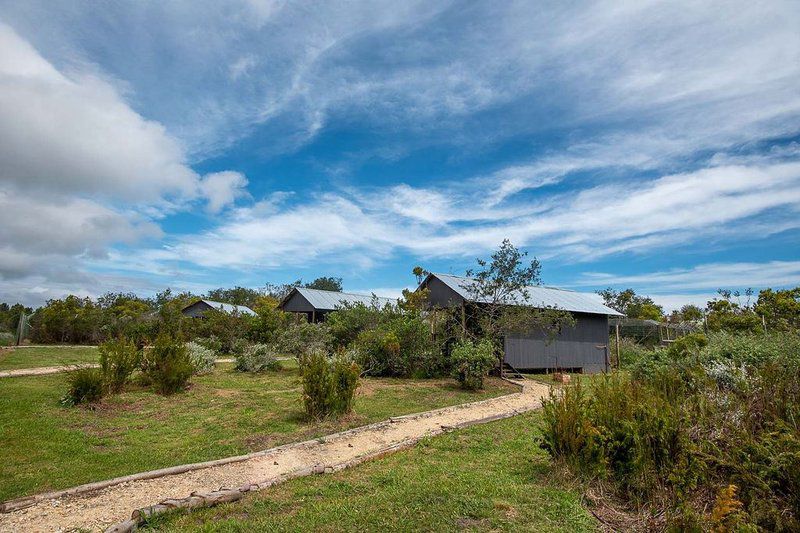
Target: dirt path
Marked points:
99	509
42	370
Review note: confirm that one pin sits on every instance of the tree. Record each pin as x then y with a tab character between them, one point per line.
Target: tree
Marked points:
326	283
9	315
72	320
269	321
499	289
690	313
631	304
280	290
419	273
780	308
236	296
726	314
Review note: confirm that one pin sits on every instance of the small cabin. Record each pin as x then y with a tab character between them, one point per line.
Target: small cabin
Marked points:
316	303
199	308
580	348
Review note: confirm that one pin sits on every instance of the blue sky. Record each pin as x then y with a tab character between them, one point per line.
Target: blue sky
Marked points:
650	145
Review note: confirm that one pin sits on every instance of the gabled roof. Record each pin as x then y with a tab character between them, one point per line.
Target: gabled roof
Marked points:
330	300
228	308
538	296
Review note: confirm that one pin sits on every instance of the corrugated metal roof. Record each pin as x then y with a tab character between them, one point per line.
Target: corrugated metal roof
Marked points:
229	308
330	300
538	296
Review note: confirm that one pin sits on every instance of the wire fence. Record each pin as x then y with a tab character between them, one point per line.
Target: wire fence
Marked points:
650	332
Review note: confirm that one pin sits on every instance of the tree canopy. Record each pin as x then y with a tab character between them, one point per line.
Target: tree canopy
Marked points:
326	283
631	304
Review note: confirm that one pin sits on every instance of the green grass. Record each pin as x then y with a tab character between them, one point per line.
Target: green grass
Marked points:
47	356
488	477
44	446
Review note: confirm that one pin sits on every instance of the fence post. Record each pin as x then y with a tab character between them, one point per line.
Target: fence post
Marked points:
20	327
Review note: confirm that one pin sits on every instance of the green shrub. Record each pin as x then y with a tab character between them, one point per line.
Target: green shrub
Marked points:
690	345
118	359
85	385
472	361
212	343
167	365
257	358
6	338
389	341
203	359
302	338
669	438
401	346
345	382
329	384
751	349
631	352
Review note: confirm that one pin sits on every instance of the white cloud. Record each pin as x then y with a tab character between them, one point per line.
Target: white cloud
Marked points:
242	66
673	302
708	204
223	188
735	275
80	171
63	135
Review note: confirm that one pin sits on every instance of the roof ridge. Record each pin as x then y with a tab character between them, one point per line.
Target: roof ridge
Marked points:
527	286
348	293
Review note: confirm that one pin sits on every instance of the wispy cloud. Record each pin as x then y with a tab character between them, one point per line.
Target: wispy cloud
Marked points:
713	276
603	220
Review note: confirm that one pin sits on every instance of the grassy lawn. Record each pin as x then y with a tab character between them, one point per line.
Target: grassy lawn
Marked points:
488	477
46	356
44	446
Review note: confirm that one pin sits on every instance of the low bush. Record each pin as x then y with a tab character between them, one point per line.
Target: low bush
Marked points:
257	358
167	365
472	361
6	338
673	437
203	359
301	338
227	328
85	385
212	343
402	346
329	384
751	349
118	360
630	352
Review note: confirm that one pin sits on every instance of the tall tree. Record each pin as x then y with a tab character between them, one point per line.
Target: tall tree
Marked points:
499	290
279	290
326	283
236	296
780	308
631	304
730	313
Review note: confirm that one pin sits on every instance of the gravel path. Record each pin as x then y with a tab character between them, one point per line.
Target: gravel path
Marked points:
42	370
99	509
